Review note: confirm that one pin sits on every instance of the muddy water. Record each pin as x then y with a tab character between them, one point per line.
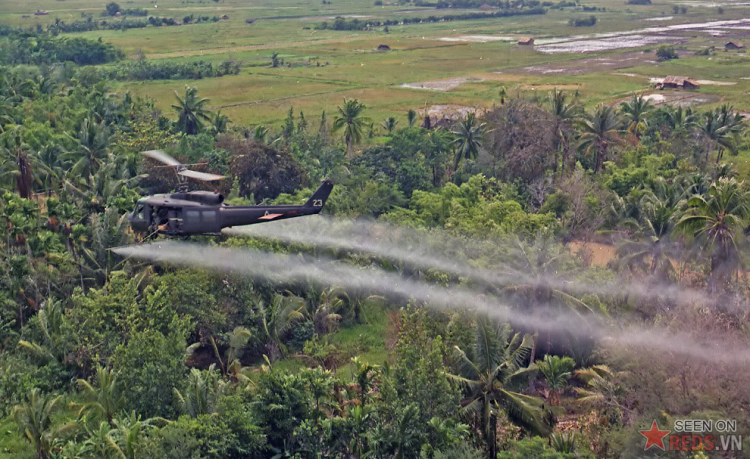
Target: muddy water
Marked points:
702	82
605	44
478	38
636	38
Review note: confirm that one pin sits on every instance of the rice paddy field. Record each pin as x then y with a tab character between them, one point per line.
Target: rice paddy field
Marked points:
454	64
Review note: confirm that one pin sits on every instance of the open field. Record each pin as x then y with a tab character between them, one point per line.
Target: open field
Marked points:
462	63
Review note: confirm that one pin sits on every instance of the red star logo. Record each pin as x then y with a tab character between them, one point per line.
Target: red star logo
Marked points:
654	436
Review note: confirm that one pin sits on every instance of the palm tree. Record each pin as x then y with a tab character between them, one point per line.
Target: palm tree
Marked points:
93	141
563	113
496	363
191	111
602	387
34	419
325	310
389	124
364	375
556	371
260	134
468	138
435	153
237	342
107	230
411	117
719	129
53	346
281	314
717	222
536	264
16	150
17	88
105	400
51	164
350	119
323	128
635	112
680	119
600	129
6	112
201	393
125	439
651	240
99	442
220	122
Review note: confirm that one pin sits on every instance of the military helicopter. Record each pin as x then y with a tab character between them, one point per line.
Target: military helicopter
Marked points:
188	213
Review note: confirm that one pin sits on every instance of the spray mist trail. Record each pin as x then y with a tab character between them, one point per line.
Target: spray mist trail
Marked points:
419	248
295	268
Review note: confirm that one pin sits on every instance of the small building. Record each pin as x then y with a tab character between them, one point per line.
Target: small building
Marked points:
678	82
118	14
528	41
384	48
41	13
226	16
250	21
485	7
731	45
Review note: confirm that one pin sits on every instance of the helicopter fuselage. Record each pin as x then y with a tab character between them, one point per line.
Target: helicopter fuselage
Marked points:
202	212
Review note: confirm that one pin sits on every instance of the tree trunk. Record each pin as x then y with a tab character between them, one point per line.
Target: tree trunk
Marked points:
492	446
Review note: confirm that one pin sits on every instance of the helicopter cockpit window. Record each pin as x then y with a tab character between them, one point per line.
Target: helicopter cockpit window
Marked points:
192	215
139	213
209	216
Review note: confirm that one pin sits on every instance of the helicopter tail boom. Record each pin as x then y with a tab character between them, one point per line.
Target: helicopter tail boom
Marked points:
319	198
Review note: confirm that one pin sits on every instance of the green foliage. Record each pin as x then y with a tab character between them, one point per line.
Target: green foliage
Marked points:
34	419
281	404
479	206
556	371
262	171
151	365
582	22
351	120
666	52
533	448
190	111
190	294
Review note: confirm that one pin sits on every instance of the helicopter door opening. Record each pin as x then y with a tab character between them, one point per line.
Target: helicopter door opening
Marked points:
139	219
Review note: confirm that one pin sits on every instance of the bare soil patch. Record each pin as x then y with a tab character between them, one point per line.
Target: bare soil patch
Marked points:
441	85
598	254
680	98
588	65
446	115
549	87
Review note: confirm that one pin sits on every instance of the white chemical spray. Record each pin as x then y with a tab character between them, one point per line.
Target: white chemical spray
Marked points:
297	268
437	249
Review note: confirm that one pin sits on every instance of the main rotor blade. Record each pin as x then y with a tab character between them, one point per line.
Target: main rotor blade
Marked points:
206	177
162	157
